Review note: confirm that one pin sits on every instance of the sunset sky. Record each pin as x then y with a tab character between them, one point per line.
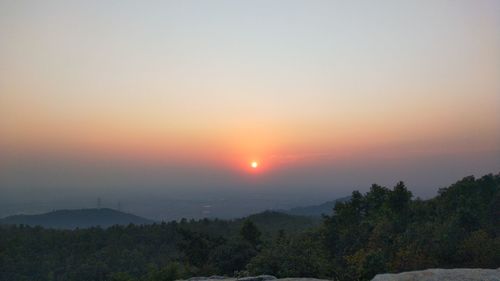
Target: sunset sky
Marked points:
179	97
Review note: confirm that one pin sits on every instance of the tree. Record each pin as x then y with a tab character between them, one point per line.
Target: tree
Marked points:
250	233
233	256
298	256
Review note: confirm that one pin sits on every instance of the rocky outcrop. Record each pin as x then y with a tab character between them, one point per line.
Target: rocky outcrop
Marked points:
458	274
217	277
258	278
253	278
301	279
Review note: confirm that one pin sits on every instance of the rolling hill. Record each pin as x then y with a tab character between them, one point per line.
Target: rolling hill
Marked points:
317	210
82	218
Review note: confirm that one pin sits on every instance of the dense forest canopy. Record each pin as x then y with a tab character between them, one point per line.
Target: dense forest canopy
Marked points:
384	230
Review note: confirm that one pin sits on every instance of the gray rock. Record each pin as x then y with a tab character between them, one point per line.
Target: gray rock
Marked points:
266	277
253	278
257	278
300	279
437	274
213	277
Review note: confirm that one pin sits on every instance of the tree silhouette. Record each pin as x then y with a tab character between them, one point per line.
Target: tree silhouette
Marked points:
250	232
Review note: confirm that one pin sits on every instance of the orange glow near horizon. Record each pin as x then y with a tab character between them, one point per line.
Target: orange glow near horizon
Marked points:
247	103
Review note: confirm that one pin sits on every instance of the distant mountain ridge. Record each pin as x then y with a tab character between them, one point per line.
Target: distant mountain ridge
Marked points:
317	210
307	216
78	218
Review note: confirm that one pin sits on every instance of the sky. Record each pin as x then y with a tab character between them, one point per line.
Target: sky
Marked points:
177	98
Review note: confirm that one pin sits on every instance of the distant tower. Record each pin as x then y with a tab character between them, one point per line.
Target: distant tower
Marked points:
119	206
98	202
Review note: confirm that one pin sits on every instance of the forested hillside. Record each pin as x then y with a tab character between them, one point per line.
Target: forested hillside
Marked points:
70	219
317	210
384	230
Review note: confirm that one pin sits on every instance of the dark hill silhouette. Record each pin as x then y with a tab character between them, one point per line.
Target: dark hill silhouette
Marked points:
317	210
82	218
268	222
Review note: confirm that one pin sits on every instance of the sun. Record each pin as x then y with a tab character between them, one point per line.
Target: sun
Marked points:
254	164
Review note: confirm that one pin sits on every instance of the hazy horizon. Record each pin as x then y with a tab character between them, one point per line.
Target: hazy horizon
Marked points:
172	100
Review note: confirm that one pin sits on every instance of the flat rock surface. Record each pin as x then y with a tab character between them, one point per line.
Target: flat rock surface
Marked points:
252	278
300	279
457	274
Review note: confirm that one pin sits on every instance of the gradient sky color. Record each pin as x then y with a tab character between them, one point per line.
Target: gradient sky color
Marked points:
176	96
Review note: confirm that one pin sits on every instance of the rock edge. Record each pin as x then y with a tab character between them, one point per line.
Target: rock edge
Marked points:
438	274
